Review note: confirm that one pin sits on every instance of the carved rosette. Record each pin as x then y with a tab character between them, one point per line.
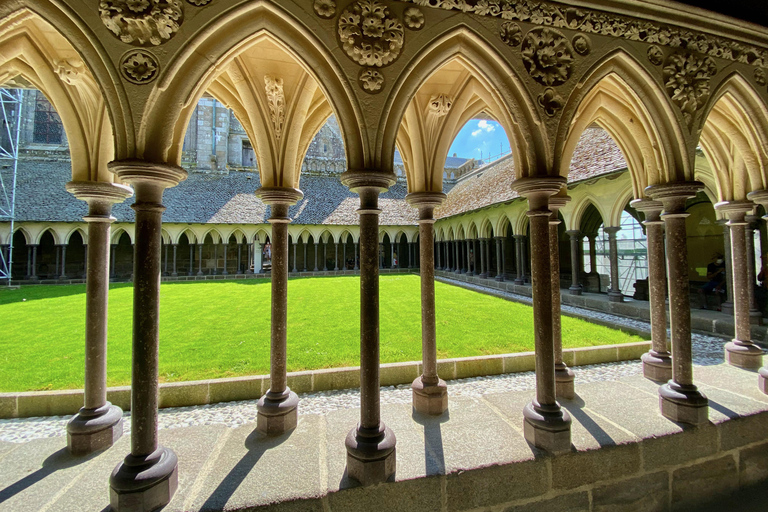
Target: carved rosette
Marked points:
761	76
139	66
326	9
371	80
686	78
656	55
547	56
551	102
370	35
413	18
440	105
582	44
70	71
142	22
273	87
199	3
511	34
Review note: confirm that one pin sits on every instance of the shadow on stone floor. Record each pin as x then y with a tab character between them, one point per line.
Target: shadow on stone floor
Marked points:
57	461
434	456
575	408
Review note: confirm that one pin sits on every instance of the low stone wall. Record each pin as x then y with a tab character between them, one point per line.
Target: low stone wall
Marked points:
182	394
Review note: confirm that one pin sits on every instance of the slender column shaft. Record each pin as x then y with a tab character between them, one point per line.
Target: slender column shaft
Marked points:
469	263
554	264
226	247
679	300
524	246
294	258
29	261
593	253
428	337
199	259
659	357
165	259
34	262
191	258
240	258
279	338
305	257
613	255
754	313
483	272
56	268
575	237
392	254
357	256
336	258
727	306
317	250
519	258
214	271
175	246
499	259
740	279
344	256
63	262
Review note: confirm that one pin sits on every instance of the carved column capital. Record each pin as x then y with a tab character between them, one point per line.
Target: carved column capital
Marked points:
673	195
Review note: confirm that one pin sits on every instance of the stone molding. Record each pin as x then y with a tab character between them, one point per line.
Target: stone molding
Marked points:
131	170
99	191
279	195
356	180
273	87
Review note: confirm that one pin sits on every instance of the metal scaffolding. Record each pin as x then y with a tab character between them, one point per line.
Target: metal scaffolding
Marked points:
10	105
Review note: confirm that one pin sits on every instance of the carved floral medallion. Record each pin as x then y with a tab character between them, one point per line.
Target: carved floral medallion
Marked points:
199	3
413	18
686	78
371	80
761	77
511	33
550	101
273	87
142	22
139	66
581	44
440	105
325	8
547	56
370	34
656	55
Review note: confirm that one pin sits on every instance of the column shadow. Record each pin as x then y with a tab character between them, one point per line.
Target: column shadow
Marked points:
434	456
723	410
57	461
575	408
257	445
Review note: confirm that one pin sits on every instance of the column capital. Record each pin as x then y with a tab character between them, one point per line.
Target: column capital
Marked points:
366	179
538	191
759	197
519	237
673	195
426	202
652	209
735	210
141	172
279	195
99	191
574	233
612	230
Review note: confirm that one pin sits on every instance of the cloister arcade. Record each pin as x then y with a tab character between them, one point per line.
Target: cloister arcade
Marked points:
662	81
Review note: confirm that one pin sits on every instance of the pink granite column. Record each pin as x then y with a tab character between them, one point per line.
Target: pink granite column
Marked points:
564	376
370	445
147	478
740	351
657	363
761	197
98	424
546	426
614	294
755	315
430	393
575	237
680	399
278	408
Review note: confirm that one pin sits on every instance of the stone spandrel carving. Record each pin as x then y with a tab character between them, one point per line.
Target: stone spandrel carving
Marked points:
276	101
371	80
761	76
551	102
70	71
656	55
142	22
582	44
602	23
139	66
199	3
686	78
325	8
414	18
547	56
440	105
370	35
511	33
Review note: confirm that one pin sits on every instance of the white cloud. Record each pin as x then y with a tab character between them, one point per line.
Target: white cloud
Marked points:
477	132
485	125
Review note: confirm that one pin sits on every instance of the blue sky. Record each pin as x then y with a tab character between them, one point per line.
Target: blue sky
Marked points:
480	136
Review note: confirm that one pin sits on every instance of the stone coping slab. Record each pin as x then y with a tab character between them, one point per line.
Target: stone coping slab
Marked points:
201	392
624	456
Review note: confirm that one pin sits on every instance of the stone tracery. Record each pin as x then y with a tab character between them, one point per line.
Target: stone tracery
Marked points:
370	35
142	22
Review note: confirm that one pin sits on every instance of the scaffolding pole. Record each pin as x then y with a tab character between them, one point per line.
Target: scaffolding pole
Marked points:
10	104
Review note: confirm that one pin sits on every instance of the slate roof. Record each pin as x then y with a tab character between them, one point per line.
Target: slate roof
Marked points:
230	199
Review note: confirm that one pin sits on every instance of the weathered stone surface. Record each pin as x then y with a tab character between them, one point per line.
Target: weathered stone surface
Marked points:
692	443
300	382
573	502
238	388
120	396
8	406
44	403
580	468
392	374
495	485
182	394
483	365
641	494
593	355
522	362
753	465
340	378
702	482
423	495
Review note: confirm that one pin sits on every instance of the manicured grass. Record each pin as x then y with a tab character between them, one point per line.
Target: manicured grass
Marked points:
214	329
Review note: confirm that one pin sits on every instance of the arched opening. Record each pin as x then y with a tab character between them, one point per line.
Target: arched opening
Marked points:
122	257
47	257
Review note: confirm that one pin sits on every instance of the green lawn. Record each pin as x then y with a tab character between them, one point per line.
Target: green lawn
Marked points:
214	329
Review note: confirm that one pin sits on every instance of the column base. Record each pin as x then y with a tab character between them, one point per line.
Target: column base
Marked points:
144	483
519	281
575	290
470	273
430	399
727	308
743	354
547	427
225	273
564	382
371	457
657	366
174	274
277	412
755	317
762	380
91	430
200	273
500	278
615	296
683	404
483	275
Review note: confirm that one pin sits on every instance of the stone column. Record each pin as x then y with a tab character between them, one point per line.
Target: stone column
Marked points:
148	477
483	271
191	258
33	274
277	409
357	257
305	256
740	351
344	255
499	259
457	256
680	399
336	259
392	255
98	424
470	272
370	445
438	259
755	315
657	363
199	259
294	257
226	247
215	269
761	197
381	255
564	376
174	273
576	237
727	306
614	294
519	258
593	253
63	274
524	252
430	393
240	258
317	250
165	257
545	424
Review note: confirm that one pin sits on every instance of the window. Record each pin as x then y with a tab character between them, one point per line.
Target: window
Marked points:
47	122
247	154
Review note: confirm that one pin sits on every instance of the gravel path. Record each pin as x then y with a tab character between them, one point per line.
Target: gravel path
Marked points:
707	350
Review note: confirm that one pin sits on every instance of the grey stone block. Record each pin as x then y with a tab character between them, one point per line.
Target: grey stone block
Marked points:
581	468
54	403
643	494
496	485
676	449
8	406
338	378
753	465
703	482
182	394
573	502
238	388
423	495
